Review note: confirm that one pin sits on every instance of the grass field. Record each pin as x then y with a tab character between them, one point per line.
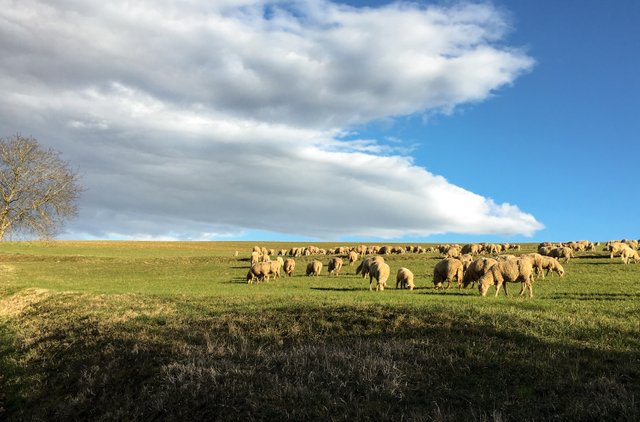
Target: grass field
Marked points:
157	331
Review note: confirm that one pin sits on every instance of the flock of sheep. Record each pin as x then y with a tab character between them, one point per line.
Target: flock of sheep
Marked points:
460	263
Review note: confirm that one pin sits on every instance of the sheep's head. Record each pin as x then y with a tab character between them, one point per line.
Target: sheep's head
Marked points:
484	283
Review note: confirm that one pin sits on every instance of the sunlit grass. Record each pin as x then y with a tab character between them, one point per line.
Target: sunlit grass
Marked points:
135	330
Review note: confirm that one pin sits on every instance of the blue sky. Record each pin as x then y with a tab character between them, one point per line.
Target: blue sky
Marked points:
564	140
318	120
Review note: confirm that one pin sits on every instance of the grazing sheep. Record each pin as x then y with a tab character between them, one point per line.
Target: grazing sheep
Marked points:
476	270
615	248
275	268
550	264
447	270
471	248
452	252
259	271
364	266
255	257
628	254
537	260
335	265
353	257
512	270
289	266
545	250
561	252
380	271
505	257
314	267
492	249
404	279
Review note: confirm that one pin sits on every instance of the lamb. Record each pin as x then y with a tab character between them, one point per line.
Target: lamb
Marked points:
364	266
628	254
404	279
314	267
335	265
476	270
289	266
380	271
447	270
513	270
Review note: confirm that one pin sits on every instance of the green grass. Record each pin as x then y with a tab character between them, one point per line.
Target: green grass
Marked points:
140	331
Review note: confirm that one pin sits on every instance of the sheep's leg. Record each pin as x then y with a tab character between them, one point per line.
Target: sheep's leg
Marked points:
498	288
530	286
522	287
504	283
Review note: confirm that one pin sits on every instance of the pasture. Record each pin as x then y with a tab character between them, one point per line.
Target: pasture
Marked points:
143	331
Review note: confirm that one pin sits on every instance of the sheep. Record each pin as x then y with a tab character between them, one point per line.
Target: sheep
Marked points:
275	267
452	252
545	250
471	248
537	261
384	250
627	254
353	257
505	257
551	264
259	271
466	260
512	270
314	267
364	266
380	271
447	270
476	270
615	248
492	249
289	266
561	252
255	257
335	265
404	279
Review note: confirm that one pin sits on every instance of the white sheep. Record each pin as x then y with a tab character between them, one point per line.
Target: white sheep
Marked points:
380	271
404	279
512	270
314	268
447	270
335	265
289	266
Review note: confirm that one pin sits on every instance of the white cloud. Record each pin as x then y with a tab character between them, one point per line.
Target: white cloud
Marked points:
190	117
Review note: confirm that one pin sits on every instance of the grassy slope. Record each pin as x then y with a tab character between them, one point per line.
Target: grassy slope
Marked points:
132	330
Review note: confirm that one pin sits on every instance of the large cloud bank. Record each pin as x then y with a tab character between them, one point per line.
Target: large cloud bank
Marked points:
201	119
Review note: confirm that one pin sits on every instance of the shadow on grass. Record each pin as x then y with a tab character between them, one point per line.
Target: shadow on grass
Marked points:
347	363
596	296
339	289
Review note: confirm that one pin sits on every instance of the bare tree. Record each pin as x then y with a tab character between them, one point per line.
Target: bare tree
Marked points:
39	190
